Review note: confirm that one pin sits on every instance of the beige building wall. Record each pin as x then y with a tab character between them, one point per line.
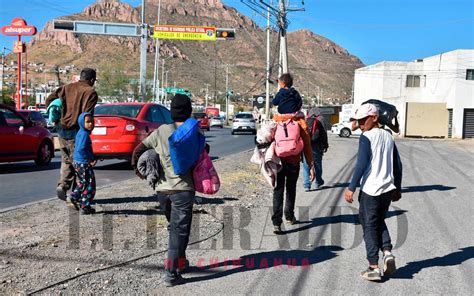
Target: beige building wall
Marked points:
426	120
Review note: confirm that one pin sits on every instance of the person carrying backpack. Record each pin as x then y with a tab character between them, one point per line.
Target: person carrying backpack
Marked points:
291	138
319	145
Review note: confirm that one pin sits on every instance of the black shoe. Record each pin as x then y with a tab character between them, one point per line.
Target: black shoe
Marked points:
173	279
87	210
277	229
73	203
61	193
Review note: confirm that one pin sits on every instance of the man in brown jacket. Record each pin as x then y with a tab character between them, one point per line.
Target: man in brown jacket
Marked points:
76	98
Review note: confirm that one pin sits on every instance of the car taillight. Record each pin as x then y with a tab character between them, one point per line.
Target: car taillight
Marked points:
130	127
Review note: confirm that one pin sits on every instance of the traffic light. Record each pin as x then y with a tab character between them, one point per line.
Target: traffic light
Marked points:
225	34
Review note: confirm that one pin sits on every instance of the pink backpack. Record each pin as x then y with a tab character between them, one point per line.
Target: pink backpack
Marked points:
205	176
288	141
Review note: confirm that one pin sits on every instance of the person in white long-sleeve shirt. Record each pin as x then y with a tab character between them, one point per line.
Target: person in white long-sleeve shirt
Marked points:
378	172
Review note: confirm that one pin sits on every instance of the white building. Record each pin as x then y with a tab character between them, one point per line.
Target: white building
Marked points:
434	95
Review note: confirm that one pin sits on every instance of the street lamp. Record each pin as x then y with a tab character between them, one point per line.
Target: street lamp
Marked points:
3	70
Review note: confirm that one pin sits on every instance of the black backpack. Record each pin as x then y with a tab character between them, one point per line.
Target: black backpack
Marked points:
320	140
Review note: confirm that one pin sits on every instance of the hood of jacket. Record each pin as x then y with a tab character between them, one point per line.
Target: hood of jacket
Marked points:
81	121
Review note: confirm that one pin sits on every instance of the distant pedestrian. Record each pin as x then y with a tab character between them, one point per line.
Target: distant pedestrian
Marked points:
379	173
83	161
176	192
288	98
76	98
319	145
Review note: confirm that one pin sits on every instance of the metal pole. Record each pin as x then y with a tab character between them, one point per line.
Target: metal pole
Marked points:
267	85
156	80
143	50
18	103
163	80
227	94
283	45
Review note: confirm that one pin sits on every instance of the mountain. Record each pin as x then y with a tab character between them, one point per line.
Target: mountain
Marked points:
313	60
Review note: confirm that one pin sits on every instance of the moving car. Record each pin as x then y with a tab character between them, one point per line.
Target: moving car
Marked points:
217	121
21	139
34	116
244	122
203	120
120	127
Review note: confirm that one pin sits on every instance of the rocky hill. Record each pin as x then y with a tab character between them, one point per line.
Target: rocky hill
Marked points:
314	60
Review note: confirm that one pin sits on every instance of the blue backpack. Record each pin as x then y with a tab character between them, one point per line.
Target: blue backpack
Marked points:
186	144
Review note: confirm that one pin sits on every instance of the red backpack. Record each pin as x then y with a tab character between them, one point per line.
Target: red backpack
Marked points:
288	141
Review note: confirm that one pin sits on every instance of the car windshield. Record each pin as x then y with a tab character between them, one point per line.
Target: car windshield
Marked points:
244	116
121	110
199	115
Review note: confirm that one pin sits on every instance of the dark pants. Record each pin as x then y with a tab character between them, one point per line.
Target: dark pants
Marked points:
66	177
179	213
372	211
287	177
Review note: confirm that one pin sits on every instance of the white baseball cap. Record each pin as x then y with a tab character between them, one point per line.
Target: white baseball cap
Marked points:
364	111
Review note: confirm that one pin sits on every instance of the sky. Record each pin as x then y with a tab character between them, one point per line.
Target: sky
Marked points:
373	30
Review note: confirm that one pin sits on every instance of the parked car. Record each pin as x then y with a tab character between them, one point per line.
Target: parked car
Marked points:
344	130
203	120
34	116
120	127
244	122
217	121
22	139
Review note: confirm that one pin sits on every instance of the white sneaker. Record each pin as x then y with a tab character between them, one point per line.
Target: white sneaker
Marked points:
389	266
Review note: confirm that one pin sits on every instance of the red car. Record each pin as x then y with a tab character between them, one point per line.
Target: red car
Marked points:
203	119
120	127
21	139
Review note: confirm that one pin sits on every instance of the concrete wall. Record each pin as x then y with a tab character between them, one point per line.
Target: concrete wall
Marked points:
426	120
445	83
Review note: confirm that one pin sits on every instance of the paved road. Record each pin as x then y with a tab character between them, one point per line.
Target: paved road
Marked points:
24	182
431	228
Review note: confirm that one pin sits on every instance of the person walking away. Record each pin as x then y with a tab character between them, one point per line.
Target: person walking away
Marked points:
76	98
379	173
176	192
83	163
319	145
287	99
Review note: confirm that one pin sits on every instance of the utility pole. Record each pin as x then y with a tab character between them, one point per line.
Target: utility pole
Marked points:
283	24
215	82
207	94
226	94
267	84
143	50
156	80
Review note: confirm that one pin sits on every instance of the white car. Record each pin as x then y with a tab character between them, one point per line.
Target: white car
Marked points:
344	130
217	121
244	122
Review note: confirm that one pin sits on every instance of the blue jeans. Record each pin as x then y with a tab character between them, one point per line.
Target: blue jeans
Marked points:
318	167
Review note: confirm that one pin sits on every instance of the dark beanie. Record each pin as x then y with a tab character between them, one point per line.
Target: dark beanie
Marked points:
181	108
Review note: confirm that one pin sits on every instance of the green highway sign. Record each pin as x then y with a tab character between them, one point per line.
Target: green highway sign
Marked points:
172	90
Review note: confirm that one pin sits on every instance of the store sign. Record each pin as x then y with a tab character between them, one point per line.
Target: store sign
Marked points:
18	27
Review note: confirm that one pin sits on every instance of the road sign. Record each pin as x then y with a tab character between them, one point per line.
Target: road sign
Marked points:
184	32
19	27
99	28
172	90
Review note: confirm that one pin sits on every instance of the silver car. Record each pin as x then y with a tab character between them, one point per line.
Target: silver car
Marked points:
244	122
217	121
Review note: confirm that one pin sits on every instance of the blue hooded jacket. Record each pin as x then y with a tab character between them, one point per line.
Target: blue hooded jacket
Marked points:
288	100
83	145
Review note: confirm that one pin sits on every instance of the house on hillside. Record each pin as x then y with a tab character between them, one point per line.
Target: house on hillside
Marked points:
434	95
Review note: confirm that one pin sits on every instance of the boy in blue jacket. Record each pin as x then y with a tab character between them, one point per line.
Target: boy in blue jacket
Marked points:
83	161
288	98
